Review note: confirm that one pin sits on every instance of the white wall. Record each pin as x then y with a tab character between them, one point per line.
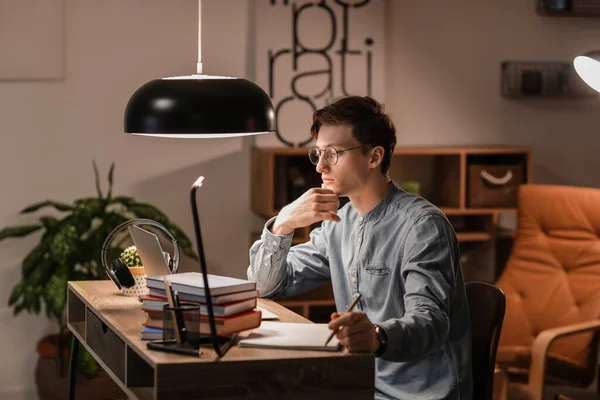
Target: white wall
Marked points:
50	132
444	77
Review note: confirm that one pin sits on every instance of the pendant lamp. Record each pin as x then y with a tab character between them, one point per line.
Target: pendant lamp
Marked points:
199	106
588	68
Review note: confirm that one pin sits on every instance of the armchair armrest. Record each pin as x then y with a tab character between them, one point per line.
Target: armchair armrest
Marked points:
539	352
500	384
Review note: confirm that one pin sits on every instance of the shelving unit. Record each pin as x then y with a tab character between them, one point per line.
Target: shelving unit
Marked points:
445	174
542	79
577	8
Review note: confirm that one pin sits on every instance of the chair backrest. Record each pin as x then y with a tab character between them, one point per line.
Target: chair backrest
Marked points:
552	277
486	306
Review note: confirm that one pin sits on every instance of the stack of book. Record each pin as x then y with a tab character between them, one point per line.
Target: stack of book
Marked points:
234	302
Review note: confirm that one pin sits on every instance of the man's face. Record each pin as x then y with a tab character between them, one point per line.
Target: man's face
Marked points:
352	167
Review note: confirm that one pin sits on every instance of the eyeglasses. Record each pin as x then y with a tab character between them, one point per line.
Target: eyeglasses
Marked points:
331	154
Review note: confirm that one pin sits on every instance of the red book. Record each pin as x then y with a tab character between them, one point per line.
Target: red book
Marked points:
155	304
225	325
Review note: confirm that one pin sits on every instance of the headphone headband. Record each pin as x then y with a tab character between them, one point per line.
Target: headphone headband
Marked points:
140	221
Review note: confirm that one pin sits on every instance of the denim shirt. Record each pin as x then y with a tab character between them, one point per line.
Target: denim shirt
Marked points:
403	258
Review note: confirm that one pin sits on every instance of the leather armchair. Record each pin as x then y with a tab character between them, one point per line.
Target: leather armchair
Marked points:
552	288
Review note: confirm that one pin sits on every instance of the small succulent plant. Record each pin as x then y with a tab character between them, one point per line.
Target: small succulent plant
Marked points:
131	258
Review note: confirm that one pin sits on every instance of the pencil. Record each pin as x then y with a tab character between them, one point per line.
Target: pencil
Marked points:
350	307
171	300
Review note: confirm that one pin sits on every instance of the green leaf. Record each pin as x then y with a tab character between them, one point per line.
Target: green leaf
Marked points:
34	258
87	204
29	298
143	210
18	231
18	308
86	210
55	293
97	179
35	304
15	294
64	243
87	364
110	180
59	206
40	276
49	222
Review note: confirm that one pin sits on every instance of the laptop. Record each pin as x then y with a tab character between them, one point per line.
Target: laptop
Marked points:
154	259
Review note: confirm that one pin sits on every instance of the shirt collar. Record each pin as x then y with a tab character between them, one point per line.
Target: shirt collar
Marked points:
393	189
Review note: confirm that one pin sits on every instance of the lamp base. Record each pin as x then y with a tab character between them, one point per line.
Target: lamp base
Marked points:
224	342
172	346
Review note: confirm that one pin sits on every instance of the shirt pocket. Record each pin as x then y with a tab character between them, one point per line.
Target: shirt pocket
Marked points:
374	285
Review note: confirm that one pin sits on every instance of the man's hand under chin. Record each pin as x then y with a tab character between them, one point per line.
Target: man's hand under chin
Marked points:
317	204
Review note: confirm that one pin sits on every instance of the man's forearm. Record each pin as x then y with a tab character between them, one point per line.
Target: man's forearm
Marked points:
415	335
268	262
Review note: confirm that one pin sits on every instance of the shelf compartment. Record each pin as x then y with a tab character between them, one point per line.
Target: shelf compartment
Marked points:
505	233
536	79
472	228
473	236
484	194
438	176
294	175
476	211
579	8
76	313
140	375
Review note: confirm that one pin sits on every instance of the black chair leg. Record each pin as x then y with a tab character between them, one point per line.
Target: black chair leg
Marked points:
73	367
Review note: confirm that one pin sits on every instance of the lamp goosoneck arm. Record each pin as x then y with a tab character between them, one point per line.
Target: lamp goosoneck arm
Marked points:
203	269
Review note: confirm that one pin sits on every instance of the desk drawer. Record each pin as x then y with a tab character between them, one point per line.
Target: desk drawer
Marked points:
106	344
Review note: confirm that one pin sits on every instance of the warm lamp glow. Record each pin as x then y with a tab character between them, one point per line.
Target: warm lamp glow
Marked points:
588	68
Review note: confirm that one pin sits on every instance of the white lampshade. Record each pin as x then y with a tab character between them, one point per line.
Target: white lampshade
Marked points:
588	68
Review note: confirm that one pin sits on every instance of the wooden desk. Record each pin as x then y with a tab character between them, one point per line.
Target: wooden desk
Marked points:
108	325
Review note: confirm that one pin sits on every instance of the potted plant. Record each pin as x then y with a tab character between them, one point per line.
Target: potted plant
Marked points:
132	260
69	249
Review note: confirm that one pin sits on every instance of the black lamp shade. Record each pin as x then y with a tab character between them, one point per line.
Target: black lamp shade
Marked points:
588	68
203	107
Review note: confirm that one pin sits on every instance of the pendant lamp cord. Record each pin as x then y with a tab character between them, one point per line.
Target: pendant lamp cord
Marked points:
199	65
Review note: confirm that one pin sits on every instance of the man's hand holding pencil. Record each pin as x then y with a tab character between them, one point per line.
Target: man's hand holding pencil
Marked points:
354	330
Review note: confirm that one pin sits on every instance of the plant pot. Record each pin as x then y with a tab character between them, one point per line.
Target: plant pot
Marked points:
140	288
51	386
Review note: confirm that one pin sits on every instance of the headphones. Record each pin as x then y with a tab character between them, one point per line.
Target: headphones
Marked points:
117	270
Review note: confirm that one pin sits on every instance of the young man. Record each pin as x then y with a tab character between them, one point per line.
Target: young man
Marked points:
394	248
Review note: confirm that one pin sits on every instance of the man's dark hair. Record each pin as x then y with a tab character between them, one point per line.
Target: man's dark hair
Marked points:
370	125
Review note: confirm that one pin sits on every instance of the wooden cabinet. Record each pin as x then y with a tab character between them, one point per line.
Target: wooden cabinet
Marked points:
445	176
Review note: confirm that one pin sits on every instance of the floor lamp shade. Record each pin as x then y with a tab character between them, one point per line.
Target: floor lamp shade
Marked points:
199	107
588	68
